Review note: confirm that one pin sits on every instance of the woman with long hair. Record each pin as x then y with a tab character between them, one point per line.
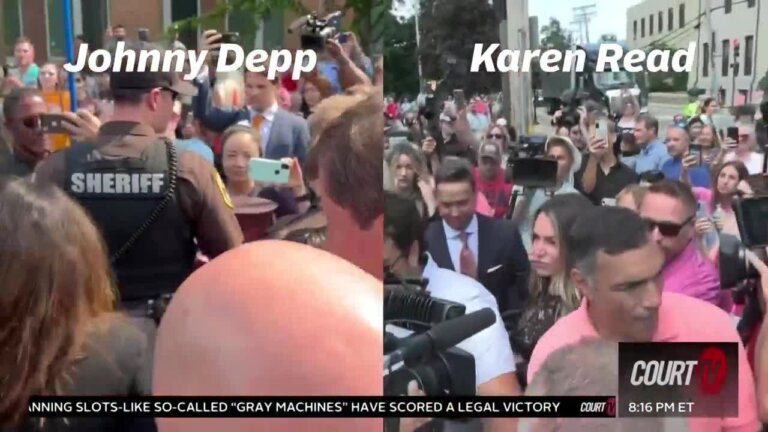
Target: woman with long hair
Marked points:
708	110
56	97
729	182
409	175
58	330
552	293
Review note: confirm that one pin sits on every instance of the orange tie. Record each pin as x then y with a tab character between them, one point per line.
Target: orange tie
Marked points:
257	119
467	264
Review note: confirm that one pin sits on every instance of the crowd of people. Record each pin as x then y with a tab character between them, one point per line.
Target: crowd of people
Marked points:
139	256
621	244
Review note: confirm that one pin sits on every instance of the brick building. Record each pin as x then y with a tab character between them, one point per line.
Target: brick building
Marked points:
42	22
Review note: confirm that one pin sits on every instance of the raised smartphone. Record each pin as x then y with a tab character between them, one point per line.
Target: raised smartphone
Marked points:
268	171
53	124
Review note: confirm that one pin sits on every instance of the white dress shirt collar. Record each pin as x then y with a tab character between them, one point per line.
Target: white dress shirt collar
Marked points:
452	233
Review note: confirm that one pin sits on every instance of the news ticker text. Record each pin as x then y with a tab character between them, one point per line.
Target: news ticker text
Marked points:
315	407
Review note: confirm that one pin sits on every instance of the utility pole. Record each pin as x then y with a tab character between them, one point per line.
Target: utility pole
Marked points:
521	100
583	14
713	46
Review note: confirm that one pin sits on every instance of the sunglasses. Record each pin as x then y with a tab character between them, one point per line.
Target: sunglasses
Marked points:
32	122
667	229
495	136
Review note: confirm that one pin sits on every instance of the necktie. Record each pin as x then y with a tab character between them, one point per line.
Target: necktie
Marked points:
467	264
257	120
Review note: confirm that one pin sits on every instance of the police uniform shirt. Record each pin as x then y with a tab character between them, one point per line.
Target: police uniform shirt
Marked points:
201	193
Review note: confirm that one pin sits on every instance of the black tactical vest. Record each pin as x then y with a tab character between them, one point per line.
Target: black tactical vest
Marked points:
121	196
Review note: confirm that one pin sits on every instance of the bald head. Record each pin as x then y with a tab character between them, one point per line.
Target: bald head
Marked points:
272	318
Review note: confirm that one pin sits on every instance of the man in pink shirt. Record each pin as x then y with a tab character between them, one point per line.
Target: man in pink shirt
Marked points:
669	208
617	268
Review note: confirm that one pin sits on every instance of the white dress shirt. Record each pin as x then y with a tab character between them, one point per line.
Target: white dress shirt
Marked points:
266	125
453	238
490	347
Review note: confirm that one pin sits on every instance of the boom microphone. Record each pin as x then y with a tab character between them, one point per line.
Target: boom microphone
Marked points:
441	337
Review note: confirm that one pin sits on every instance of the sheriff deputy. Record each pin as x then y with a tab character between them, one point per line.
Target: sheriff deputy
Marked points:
154	206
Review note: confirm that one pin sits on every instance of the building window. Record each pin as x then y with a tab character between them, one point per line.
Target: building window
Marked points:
180	10
749	47
670	20
634	28
661	24
750	3
95	15
728	6
650	24
11	24
56	42
726	55
705	61
681	18
642	27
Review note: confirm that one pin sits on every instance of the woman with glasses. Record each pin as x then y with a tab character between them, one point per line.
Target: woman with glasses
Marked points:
745	153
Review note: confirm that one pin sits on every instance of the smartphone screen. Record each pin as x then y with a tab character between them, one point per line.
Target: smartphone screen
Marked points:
53	124
695	150
733	133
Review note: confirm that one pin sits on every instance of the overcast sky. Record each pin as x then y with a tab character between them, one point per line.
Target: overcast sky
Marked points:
611	15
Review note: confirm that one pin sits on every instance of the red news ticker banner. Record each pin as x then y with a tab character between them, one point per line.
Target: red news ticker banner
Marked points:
316	407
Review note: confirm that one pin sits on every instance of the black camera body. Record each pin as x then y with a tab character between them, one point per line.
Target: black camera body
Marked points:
528	166
752	219
315	31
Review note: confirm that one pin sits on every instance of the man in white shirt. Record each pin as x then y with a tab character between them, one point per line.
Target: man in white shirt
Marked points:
403	247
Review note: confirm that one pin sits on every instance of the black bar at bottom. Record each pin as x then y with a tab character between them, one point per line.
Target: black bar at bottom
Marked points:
326	406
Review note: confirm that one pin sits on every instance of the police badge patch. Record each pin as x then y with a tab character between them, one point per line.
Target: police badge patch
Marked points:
223	189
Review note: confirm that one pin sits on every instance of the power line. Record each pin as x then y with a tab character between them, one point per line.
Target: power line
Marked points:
583	14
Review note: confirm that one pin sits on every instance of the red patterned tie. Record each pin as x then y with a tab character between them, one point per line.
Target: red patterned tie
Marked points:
467	264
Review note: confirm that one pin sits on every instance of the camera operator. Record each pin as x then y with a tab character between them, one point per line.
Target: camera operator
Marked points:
603	176
404	248
569	161
455	137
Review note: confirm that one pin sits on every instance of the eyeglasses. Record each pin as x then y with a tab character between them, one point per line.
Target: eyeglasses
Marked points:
174	95
495	136
667	229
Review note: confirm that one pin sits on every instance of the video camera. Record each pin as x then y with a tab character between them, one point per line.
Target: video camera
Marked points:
752	219
527	164
428	354
315	31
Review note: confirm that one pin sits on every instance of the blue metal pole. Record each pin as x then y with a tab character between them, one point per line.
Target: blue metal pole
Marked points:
66	6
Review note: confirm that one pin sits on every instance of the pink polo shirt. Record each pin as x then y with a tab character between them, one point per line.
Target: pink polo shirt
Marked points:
694	275
681	319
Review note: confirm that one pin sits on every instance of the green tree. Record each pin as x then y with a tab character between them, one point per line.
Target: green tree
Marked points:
449	31
401	77
553	36
367	15
763	85
608	37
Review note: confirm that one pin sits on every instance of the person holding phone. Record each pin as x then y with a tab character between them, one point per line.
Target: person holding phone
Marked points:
603	175
22	111
240	144
745	150
687	162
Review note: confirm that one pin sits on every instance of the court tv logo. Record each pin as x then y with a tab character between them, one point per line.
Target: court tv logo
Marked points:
678	379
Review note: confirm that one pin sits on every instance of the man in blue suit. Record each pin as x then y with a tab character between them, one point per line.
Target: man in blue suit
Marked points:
283	134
